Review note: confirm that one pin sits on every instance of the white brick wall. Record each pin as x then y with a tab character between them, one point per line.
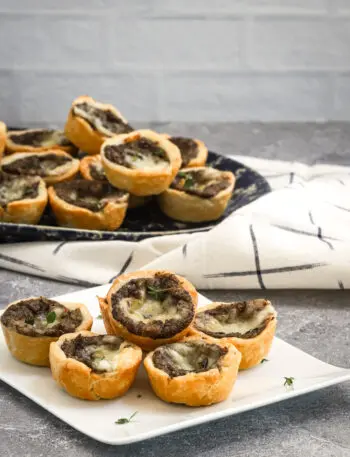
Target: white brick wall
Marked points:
190	60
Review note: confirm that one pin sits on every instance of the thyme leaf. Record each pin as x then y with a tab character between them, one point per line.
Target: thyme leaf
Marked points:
51	317
288	381
125	420
264	360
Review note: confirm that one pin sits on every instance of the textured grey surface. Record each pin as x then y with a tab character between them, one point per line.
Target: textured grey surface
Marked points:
316	321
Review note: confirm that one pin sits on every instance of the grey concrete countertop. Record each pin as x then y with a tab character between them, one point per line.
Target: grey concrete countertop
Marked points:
317	322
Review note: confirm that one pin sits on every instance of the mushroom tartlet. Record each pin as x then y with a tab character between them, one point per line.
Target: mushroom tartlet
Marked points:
197	194
194	153
250	326
52	166
94	367
90	123
142	162
37	140
194	371
88	204
30	325
3	134
149	308
22	198
91	168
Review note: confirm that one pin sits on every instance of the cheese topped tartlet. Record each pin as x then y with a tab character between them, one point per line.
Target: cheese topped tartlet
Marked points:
91	122
193	371
22	198
52	166
94	367
197	194
142	162
249	326
88	204
30	325
36	140
149	308
193	152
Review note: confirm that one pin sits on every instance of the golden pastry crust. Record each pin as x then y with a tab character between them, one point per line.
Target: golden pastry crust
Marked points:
81	381
12	147
80	132
3	134
110	217
85	170
35	350
142	181
182	206
27	210
202	155
196	389
254	349
115	327
68	172
85	164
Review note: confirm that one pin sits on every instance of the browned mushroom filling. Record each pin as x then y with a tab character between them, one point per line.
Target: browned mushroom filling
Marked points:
92	195
41	317
103	120
101	353
36	165
138	153
157	307
179	359
40	138
204	182
97	172
13	188
188	148
245	319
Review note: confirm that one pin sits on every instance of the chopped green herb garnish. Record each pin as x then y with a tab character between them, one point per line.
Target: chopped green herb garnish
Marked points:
125	420
99	316
51	317
189	181
29	321
156	292
288	382
264	360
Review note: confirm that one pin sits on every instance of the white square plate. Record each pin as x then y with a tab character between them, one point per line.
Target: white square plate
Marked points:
257	387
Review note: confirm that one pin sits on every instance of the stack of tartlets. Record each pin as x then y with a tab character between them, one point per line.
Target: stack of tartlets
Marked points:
191	356
100	166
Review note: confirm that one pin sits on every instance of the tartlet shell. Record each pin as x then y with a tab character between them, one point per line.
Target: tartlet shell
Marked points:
80	132
12	147
185	207
109	218
80	381
196	389
27	210
254	349
114	327
202	156
69	174
35	350
146	181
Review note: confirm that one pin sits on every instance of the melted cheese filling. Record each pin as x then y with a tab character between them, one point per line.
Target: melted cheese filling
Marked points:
18	189
141	161
104	358
214	325
149	309
184	357
55	138
92	119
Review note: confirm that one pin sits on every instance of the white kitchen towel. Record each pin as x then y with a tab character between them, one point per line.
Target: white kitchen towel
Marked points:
297	236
